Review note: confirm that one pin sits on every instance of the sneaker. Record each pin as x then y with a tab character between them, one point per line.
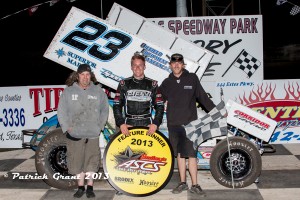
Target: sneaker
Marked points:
197	190
90	194
79	193
180	187
119	193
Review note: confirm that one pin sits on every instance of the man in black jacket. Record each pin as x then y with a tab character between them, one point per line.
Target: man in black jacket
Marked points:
182	91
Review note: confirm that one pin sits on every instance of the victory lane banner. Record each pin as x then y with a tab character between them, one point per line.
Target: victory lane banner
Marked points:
139	164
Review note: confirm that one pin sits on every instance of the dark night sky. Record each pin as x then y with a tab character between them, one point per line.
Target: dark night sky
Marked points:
24	38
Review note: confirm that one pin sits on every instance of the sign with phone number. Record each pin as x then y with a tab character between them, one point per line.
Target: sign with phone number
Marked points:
25	107
285	136
13	117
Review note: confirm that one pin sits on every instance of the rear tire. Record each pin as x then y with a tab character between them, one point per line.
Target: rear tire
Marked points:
246	162
50	161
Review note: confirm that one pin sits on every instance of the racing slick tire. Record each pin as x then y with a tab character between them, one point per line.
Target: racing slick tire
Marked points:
50	161
246	162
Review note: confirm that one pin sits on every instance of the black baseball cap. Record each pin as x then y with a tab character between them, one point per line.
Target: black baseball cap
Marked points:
84	68
176	57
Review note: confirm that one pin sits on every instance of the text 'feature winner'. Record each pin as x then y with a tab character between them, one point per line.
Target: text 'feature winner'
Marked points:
139	164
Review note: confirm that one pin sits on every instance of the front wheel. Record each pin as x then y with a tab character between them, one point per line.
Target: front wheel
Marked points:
51	162
244	163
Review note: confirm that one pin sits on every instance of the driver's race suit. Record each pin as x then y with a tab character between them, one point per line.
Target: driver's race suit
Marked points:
138	98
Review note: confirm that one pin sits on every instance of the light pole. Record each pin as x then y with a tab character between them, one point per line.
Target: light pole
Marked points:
181	10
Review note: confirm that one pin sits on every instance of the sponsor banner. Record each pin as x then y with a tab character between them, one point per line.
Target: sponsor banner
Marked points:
236	41
25	107
278	100
138	164
84	38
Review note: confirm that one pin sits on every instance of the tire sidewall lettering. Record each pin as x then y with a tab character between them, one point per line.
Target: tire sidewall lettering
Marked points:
49	142
241	146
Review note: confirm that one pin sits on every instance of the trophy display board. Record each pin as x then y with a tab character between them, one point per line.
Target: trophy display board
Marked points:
138	164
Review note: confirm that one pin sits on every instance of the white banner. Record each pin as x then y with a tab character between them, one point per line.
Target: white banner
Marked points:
236	41
26	107
277	99
84	38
